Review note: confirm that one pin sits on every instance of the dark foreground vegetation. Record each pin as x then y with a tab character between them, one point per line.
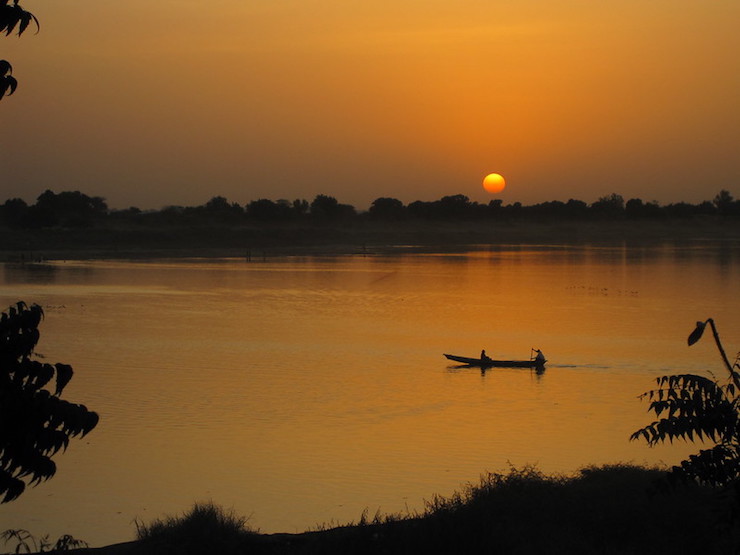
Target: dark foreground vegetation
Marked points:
615	509
75	225
35	422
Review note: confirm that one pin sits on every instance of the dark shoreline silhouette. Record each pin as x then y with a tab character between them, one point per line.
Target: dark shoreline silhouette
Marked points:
73	209
257	242
72	225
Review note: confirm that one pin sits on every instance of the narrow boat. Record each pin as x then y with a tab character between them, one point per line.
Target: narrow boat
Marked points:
537	362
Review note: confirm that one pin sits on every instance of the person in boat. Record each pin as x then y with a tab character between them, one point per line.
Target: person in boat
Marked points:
540	358
484	356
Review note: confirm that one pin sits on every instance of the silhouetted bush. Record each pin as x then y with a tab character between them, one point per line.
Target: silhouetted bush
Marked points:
205	529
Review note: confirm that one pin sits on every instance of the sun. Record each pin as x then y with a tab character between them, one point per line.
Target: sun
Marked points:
494	183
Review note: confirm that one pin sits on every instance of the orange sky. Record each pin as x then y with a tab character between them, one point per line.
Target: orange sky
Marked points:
157	103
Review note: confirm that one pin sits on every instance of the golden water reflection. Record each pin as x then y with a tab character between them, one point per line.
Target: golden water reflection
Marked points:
304	390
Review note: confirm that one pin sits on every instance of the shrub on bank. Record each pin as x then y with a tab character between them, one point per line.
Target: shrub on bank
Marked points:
207	528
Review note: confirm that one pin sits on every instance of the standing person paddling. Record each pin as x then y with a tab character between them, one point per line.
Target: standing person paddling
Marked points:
540	358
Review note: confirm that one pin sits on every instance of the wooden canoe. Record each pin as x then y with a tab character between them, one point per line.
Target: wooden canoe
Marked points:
491	363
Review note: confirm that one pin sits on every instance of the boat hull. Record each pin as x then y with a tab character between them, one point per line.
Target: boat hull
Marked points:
491	363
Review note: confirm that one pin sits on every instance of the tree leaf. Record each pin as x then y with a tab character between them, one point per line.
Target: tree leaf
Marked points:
697	333
64	375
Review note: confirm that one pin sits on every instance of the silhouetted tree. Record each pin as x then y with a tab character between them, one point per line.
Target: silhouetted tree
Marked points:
705	208
635	208
608	206
680	210
35	423
74	209
300	207
38	216
576	208
696	407
384	208
262	209
67	209
421	209
267	210
173	214
13	212
326	208
495	205
453	206
346	211
132	213
513	210
219	209
281	210
13	18
550	210
725	204
218	204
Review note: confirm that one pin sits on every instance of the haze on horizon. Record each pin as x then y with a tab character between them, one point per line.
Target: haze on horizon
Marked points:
155	103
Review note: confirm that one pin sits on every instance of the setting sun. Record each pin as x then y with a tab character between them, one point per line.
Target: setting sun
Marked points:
494	183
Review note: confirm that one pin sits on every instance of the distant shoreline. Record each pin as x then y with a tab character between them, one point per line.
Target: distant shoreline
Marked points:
259	241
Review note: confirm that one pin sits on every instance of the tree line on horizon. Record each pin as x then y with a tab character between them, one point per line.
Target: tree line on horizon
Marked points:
73	209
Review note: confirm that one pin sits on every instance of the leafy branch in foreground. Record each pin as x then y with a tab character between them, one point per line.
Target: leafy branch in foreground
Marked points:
35	423
13	18
8	83
696	407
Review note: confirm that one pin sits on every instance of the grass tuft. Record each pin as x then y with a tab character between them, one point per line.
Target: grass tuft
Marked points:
206	528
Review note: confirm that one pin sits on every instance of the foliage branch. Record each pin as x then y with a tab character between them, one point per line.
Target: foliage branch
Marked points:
691	407
13	19
35	423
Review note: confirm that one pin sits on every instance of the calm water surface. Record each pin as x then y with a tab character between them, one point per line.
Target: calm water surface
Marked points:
302	391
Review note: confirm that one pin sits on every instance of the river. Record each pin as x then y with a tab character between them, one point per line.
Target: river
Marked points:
302	391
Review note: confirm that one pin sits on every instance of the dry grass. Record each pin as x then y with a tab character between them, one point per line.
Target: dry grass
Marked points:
206	528
615	509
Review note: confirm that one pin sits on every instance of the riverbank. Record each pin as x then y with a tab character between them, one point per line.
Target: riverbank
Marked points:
256	241
613	509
